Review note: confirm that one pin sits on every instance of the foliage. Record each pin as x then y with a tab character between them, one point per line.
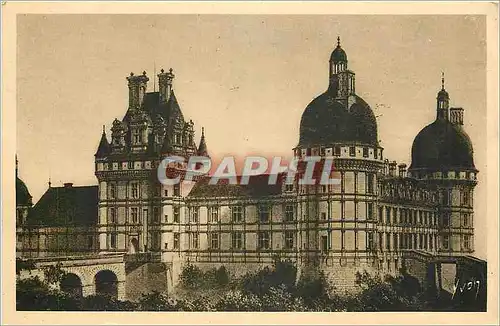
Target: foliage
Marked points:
221	276
24	264
193	277
388	294
283	273
269	289
54	273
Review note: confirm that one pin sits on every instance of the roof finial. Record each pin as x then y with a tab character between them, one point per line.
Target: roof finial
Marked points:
202	131
103	129
17	163
338	41
442	80
50	183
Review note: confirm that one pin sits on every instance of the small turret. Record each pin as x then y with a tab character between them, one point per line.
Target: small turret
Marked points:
443	102
104	147
202	148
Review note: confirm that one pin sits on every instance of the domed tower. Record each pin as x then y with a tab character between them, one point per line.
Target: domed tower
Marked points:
340	219
23	199
442	156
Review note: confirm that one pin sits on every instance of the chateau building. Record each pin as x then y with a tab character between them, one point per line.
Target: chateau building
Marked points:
378	212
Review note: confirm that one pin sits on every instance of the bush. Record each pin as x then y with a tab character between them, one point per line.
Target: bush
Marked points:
191	276
221	276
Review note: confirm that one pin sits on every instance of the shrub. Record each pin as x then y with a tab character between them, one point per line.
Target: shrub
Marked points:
191	276
221	276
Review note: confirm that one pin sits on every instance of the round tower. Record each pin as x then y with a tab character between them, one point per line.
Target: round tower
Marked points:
442	156
339	220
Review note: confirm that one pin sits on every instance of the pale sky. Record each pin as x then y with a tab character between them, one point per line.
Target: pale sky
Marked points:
246	79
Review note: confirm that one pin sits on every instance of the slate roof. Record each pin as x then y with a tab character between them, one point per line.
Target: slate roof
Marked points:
23	196
326	121
257	187
68	205
442	146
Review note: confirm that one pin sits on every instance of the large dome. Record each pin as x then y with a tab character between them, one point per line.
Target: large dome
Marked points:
442	145
328	121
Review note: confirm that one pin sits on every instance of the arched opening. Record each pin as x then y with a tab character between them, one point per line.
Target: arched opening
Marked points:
72	285
106	283
134	246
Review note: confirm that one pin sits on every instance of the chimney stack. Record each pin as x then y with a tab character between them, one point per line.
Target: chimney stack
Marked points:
136	89
392	168
457	116
165	81
402	170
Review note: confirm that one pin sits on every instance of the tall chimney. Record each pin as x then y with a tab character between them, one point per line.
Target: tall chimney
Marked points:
136	89
165	81
392	168
402	170
457	116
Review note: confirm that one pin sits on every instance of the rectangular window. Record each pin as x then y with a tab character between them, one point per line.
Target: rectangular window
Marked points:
134	190
388	215
288	187
177	213
156	214
237	213
430	241
155	240
213	214
336	151
237	240
263	240
134	215
380	241
264	213
467	242
369	183
445	197
112	191
130	165
323	216
352	151
365	151
388	241
380	213
177	190
112	216
420	241
90	242
466	220
446	241
419	217
425	241
465	198
136	136
177	240
165	192
214	240
369	211
369	241
112	240
395	241
446	219
289	216
194	214
195	240
324	243
289	239
145	214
